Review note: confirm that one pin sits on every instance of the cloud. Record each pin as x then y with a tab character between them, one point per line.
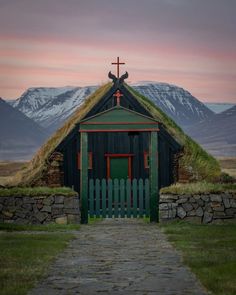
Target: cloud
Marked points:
160	38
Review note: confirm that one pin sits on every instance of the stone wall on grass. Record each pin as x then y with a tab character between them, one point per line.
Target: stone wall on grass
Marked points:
60	209
202	208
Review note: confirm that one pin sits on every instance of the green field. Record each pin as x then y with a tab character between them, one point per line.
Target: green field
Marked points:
210	251
228	165
25	257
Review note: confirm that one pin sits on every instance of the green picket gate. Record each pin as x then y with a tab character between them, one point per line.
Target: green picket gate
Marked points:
118	198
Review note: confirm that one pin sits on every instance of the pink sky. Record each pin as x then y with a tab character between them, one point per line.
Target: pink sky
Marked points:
57	43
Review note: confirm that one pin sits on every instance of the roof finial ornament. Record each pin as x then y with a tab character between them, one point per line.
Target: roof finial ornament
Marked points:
118	79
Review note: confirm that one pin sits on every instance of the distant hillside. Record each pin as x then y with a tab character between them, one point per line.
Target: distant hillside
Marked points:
19	135
217	134
218	107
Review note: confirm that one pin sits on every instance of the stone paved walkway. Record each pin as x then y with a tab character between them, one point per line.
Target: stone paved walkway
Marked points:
119	257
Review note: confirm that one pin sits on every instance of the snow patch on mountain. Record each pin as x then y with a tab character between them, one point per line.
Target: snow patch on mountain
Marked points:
50	107
175	101
33	98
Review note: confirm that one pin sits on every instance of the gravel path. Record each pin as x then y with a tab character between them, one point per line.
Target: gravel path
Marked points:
119	256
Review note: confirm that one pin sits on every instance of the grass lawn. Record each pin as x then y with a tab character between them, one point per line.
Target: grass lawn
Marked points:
52	227
24	258
210	251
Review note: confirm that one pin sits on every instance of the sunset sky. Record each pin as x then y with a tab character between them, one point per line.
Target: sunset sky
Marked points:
190	43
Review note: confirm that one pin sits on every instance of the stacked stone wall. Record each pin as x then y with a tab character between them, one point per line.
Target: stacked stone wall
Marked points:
203	208
39	209
53	175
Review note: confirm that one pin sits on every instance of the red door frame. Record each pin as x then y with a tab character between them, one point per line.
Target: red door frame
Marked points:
129	156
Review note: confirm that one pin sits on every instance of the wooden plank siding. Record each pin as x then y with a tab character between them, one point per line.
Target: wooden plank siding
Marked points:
118	142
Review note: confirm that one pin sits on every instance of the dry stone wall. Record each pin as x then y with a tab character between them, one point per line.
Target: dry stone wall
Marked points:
39	209
204	208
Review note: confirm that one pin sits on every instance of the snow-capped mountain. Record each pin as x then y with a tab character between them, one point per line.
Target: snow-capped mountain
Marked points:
34	98
50	107
175	101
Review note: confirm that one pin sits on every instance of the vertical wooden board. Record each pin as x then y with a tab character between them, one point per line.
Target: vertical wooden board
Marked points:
128	197
97	197
154	198
104	197
122	198
84	177
140	195
91	198
135	197
116	197
110	197
147	198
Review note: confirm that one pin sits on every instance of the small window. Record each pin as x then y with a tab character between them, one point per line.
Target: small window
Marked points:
146	160
90	161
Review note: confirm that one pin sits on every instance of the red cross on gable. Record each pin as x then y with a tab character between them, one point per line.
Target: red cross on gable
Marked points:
118	95
118	63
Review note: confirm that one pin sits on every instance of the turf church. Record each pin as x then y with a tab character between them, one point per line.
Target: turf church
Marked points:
117	150
119	139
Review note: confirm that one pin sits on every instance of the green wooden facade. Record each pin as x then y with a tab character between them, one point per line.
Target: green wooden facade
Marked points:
117	157
119	119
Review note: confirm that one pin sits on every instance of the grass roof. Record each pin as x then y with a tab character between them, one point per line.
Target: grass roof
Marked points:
38	164
194	159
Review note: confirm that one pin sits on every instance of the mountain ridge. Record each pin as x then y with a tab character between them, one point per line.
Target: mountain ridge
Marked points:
175	101
217	134
20	136
50	107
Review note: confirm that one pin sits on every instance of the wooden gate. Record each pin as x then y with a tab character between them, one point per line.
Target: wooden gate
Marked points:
119	198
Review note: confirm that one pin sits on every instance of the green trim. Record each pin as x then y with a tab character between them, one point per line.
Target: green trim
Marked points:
118	127
116	113
84	177
154	193
118	119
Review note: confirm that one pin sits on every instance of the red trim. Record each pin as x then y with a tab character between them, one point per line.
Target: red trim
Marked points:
78	160
118	130
90	160
129	168
118	123
119	155
90	163
108	168
145	156
129	156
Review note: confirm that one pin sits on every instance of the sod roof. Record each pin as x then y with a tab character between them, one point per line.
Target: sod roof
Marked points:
195	160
